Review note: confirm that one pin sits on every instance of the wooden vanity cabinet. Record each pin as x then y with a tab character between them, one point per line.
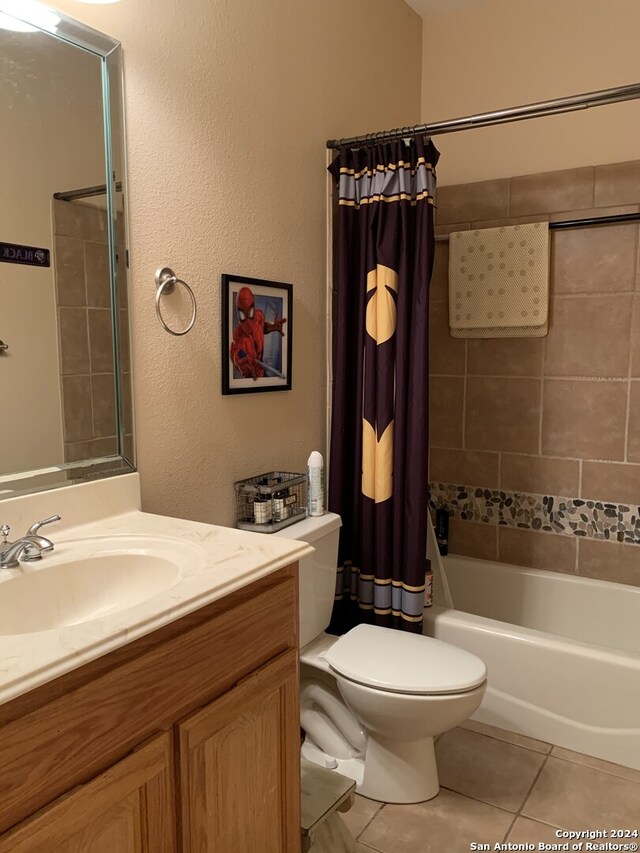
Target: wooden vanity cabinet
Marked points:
185	741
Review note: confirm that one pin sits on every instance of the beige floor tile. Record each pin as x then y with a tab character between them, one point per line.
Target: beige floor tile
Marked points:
572	796
508	737
333	837
448	823
486	769
597	764
360	814
525	831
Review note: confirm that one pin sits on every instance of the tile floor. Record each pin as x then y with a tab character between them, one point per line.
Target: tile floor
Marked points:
500	786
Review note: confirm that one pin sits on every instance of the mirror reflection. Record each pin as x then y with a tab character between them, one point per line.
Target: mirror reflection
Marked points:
63	374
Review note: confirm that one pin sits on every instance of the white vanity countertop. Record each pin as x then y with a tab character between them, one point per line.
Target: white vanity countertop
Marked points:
214	561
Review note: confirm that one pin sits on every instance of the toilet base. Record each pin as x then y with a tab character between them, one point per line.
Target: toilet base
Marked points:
399	771
394	772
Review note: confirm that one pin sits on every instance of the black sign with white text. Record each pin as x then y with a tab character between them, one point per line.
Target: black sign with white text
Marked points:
14	253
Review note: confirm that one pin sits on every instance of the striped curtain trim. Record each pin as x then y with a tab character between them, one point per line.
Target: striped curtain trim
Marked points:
383	596
389	167
391	183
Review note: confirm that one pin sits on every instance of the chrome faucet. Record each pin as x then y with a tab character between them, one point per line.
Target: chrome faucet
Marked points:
29	548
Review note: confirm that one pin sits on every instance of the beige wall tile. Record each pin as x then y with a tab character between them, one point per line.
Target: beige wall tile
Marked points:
507	736
635	337
94	223
68	219
585	260
505	356
584	419
451	227
502	414
596	763
74	341
473	539
464	467
80	450
104	404
97	272
69	265
486	769
550	551
100	340
76	393
510	220
446	354
569	189
127	402
589	336
568	795
439	287
445	411
618	183
633	439
611	561
592	212
542	475
609	481
465	202
450	822
125	345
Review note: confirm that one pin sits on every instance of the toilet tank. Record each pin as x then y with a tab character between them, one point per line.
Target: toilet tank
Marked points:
317	572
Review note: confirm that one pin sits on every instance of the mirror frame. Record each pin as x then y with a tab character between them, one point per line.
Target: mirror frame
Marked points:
109	52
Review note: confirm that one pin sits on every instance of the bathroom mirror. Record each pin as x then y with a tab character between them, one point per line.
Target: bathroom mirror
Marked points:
64	356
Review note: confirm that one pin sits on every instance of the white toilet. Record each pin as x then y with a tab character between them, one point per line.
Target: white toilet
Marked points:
372	700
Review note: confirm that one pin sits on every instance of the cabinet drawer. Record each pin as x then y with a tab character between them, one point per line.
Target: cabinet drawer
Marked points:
69	740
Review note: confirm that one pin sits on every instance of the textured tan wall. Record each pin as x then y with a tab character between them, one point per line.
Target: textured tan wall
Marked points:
228	106
501	53
559	415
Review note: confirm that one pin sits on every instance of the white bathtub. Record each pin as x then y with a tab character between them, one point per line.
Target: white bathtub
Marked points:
563	653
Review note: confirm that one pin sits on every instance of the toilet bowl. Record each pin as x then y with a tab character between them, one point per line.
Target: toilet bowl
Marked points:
372	701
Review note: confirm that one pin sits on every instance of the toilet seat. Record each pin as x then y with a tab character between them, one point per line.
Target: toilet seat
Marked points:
397	662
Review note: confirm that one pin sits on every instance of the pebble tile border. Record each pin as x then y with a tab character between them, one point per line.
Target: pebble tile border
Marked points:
552	514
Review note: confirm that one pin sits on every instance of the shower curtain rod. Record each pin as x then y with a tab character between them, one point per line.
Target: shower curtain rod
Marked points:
537	110
85	192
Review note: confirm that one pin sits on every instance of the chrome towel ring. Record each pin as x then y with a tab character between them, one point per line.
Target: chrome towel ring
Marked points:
166	281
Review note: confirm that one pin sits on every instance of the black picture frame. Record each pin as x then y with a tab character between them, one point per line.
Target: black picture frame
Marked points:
243	371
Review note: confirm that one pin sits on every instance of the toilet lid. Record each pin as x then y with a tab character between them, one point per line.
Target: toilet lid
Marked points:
399	662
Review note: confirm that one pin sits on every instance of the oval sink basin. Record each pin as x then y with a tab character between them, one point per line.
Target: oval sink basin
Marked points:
72	588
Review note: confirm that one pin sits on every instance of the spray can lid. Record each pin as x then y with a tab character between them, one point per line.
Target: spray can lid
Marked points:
315	460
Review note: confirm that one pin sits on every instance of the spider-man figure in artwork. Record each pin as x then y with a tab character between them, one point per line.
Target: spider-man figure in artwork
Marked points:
248	337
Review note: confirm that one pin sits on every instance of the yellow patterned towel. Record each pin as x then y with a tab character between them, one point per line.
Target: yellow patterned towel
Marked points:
499	282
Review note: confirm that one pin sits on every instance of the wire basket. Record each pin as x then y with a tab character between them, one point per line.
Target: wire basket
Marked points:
270	502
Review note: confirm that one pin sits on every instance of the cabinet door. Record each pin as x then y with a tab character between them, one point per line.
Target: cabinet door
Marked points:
128	809
240	767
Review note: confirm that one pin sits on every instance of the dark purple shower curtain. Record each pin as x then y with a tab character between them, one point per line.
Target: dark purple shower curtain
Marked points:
384	249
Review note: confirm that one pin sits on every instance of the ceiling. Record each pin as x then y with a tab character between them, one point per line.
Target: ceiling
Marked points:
438	7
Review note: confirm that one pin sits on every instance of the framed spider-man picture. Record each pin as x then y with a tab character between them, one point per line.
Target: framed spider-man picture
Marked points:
256	335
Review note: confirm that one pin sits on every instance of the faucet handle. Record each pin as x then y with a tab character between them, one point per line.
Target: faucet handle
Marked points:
5	530
33	530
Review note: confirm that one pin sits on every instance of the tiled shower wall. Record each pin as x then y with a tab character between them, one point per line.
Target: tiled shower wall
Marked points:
85	331
535	443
